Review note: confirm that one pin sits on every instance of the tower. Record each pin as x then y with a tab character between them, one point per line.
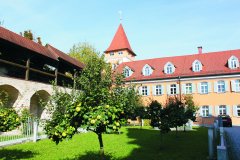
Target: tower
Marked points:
119	50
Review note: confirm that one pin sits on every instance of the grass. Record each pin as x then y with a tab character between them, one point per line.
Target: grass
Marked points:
133	144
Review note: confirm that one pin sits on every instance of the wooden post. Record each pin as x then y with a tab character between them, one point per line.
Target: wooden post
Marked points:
27	69
74	79
56	76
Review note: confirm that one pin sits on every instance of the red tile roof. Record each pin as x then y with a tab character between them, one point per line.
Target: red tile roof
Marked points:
214	63
65	57
48	51
120	42
24	42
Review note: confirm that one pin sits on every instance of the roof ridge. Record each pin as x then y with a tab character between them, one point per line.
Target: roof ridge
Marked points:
186	55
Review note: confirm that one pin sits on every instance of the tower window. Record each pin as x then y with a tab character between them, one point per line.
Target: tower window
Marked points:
111	53
120	53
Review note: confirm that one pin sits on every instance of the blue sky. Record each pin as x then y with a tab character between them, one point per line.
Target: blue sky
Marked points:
155	28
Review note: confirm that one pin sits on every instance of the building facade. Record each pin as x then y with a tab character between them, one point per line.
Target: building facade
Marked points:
213	79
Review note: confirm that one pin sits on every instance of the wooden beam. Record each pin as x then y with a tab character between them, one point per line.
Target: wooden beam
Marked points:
13	64
38	71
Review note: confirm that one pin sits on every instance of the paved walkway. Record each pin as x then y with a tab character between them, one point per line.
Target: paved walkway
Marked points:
233	141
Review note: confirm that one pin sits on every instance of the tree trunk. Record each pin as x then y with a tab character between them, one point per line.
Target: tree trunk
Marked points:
101	145
184	126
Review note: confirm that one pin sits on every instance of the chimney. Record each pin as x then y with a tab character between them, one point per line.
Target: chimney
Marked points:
199	50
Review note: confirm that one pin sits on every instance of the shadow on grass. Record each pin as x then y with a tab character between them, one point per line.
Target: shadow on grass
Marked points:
153	145
12	154
92	156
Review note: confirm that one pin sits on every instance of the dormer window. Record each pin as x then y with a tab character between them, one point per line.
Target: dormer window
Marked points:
111	53
120	53
196	66
127	72
147	70
169	68
233	62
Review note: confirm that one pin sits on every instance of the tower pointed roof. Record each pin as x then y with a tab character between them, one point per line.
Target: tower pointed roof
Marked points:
120	41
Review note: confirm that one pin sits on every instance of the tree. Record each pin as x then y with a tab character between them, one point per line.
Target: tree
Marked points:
29	35
83	52
9	118
190	109
100	106
154	113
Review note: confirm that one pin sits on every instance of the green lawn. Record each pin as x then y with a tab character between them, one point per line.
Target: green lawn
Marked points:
133	144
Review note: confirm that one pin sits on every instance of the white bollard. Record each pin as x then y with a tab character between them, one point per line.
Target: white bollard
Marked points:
35	131
210	142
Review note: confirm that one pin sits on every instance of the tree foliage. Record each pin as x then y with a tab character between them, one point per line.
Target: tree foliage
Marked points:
100	105
83	52
174	114
9	118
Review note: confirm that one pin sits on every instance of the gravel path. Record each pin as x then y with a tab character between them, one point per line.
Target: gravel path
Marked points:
233	141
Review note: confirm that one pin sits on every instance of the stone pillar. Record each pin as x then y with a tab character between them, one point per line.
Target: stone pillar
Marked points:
222	149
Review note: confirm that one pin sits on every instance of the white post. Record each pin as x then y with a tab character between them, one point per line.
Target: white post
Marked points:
210	142
142	122
35	130
222	149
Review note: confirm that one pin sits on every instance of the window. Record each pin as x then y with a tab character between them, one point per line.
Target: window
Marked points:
204	87
222	110
158	90
233	62
188	88
147	70
238	110
120	53
169	68
196	66
173	89
205	111
111	53
127	71
144	90
237	85
221	86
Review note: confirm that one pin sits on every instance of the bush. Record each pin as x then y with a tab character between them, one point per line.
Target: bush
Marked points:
9	119
147	122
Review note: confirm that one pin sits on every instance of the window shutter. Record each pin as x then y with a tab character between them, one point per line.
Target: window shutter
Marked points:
193	87
228	110
177	87
235	111
154	90
233	85
215	87
209	87
162	89
140	90
199	88
226	86
210	111
216	110
200	66
148	90
183	88
168	90
200	112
